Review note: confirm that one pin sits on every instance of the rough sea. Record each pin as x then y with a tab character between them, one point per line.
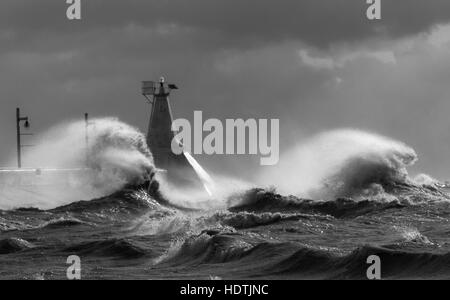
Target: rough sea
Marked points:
267	236
361	201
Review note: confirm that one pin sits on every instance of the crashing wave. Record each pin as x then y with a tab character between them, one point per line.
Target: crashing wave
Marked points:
259	200
342	163
119	152
114	156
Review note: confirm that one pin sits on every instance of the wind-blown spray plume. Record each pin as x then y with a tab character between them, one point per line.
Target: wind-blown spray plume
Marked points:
340	163
120	150
425	179
205	178
116	155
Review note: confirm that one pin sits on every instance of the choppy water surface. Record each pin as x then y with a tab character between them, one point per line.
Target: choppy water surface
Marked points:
261	235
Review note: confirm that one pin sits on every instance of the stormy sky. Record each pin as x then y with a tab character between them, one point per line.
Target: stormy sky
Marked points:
315	64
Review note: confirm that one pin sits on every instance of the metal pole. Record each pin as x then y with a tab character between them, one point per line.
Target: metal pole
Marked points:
86	119
19	146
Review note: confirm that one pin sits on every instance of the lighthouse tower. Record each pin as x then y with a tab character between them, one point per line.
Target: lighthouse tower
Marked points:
178	171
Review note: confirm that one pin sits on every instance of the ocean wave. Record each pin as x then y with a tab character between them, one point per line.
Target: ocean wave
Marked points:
117	156
121	248
395	264
119	202
350	163
258	200
65	222
12	245
411	238
298	261
339	163
205	248
245	220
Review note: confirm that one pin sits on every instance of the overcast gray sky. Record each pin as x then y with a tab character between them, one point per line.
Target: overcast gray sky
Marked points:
315	64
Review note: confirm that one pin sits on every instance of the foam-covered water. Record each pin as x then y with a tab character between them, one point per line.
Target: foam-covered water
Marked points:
348	197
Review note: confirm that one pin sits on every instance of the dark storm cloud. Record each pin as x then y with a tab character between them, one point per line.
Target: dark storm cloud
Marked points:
237	22
230	59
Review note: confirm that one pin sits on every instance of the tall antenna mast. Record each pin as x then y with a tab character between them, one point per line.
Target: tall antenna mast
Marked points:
86	125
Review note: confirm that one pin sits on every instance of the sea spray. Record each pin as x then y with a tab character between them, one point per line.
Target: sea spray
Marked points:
425	179
339	163
116	155
197	198
119	152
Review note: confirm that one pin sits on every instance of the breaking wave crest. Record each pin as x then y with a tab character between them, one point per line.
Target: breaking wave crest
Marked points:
259	200
11	245
72	168
119	153
341	163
